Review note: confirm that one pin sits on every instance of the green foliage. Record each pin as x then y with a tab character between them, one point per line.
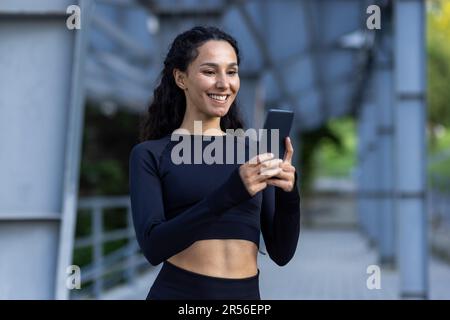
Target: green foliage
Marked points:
441	143
338	160
311	141
113	219
439	171
438	49
82	256
438	95
107	141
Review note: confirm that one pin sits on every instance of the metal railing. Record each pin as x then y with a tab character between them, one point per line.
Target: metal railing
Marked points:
439	208
439	201
124	263
439	216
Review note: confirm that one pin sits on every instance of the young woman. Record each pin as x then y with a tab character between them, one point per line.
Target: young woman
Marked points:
203	221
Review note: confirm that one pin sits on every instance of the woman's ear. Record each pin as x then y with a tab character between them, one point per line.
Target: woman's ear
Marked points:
179	77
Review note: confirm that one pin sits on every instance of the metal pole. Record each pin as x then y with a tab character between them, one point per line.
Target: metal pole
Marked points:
371	167
410	119
368	171
73	153
97	252
40	95
362	172
385	132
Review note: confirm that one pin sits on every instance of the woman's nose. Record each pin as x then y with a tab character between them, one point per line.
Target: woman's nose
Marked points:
222	83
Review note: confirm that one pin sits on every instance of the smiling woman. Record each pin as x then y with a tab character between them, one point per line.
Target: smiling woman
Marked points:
201	62
211	82
203	221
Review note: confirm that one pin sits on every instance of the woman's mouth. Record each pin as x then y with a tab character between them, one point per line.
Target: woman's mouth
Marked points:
221	98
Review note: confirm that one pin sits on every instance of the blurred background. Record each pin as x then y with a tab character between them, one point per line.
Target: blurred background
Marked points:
369	84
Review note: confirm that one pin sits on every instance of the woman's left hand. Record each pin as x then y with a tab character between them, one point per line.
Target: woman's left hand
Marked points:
287	174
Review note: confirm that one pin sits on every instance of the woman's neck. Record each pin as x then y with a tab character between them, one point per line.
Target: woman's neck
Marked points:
202	127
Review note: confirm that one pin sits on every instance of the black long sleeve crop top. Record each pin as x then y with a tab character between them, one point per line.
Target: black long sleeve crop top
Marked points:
175	204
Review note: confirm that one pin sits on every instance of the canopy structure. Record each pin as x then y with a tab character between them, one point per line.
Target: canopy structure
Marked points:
307	56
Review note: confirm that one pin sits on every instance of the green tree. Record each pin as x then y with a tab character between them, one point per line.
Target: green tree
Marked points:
438	49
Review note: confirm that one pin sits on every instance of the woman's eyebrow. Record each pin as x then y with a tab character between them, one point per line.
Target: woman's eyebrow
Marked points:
212	64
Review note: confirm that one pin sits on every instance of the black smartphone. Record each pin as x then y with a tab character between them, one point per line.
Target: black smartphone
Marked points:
277	126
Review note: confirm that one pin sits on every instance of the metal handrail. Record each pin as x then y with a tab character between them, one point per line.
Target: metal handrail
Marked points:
127	259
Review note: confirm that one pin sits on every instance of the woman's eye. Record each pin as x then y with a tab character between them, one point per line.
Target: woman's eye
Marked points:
210	72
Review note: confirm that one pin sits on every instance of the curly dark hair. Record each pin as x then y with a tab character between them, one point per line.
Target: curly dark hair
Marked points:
166	111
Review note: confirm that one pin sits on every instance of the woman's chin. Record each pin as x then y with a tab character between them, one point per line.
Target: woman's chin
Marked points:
218	111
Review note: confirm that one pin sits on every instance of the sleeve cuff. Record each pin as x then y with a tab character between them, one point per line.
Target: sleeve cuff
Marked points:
290	196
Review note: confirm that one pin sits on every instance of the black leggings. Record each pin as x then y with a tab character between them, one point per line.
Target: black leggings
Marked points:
175	283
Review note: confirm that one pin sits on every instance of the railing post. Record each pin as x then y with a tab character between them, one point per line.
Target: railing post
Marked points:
97	235
130	271
124	262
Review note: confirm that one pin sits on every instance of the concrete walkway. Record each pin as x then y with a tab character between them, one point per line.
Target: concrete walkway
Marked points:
329	264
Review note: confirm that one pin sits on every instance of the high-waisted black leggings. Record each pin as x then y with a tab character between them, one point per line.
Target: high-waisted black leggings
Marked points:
175	283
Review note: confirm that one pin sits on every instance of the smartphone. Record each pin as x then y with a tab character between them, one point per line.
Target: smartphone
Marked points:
272	140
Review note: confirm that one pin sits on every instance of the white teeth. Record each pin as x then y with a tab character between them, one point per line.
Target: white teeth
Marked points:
217	97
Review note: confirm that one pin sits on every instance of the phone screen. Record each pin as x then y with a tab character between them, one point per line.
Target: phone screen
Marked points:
277	126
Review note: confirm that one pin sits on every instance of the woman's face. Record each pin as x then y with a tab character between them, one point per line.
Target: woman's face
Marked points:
211	82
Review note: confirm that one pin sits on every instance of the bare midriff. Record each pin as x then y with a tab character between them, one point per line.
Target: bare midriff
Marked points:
223	258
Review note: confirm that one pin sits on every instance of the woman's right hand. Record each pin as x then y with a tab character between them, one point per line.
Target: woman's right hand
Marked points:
257	170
